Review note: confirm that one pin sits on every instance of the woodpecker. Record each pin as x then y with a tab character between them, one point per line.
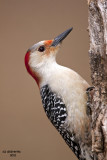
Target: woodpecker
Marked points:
63	94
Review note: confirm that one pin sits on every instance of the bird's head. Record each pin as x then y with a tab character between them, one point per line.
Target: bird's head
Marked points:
43	54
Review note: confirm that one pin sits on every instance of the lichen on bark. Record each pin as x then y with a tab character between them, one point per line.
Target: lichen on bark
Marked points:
98	64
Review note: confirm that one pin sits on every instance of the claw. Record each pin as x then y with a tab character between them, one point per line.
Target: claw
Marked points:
90	89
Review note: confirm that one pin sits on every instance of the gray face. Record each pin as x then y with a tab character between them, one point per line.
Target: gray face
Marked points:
35	46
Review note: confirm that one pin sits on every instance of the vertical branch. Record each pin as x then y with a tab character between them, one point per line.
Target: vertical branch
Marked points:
98	65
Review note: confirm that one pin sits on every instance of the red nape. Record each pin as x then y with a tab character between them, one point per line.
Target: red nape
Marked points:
34	75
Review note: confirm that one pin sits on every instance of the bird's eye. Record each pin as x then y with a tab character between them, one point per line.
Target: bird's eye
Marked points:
41	49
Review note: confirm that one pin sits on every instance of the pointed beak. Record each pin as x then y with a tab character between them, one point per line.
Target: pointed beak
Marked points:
61	37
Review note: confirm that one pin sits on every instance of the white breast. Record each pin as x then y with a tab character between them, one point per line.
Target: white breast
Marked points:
72	89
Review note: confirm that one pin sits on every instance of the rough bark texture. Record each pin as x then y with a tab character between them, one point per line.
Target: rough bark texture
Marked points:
98	64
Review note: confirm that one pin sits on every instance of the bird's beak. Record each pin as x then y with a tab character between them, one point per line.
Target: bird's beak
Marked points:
61	37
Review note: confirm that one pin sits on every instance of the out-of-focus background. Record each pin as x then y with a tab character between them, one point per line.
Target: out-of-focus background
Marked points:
24	126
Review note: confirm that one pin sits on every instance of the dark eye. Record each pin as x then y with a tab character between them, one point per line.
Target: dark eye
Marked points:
41	49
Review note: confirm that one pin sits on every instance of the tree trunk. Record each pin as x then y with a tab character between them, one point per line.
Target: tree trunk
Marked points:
98	64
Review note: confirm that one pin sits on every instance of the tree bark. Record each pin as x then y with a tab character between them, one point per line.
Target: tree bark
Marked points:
98	64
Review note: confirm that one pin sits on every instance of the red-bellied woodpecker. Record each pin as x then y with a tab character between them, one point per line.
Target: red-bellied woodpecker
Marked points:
63	94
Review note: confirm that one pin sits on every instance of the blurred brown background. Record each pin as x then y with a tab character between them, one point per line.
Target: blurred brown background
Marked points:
23	123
